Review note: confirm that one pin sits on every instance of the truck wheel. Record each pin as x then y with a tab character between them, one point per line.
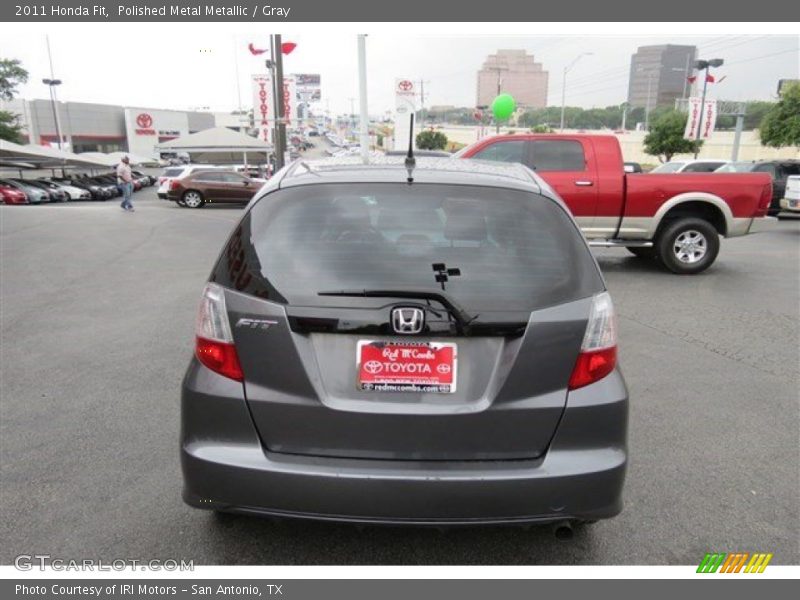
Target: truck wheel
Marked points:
641	252
687	246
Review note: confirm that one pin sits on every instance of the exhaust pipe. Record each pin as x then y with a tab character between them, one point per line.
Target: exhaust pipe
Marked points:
563	530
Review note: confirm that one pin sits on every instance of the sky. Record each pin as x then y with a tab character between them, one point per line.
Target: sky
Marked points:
195	72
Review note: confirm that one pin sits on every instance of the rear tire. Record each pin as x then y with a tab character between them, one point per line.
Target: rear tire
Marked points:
642	252
687	245
193	199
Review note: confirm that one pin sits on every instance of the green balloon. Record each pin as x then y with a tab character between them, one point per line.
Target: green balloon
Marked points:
503	107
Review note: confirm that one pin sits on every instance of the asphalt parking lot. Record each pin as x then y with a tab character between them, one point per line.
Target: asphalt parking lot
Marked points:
97	322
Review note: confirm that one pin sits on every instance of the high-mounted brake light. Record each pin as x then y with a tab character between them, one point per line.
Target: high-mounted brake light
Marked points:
598	355
214	345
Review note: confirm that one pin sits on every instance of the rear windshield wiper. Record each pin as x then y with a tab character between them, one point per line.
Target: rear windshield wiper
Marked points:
462	317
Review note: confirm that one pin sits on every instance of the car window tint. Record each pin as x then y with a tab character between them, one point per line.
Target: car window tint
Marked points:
517	251
173	172
558	155
207	177
703	167
510	151
232	178
766	168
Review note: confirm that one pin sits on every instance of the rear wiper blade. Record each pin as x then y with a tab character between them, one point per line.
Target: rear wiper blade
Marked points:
462	317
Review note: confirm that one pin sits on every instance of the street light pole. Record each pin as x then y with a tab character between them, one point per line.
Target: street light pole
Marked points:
51	83
647	106
362	93
701	65
564	86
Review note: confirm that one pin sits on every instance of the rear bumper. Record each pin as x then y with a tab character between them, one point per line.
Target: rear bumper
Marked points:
225	467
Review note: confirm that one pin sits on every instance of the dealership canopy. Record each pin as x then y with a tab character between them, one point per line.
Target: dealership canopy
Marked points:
216	144
44	157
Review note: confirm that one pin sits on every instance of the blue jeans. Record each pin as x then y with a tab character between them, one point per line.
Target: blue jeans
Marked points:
127	190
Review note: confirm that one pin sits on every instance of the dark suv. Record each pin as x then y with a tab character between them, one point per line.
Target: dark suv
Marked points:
201	187
430	343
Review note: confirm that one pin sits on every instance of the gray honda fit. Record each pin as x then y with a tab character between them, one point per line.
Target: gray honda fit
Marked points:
408	342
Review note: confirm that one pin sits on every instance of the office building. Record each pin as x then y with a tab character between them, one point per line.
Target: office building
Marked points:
658	75
518	74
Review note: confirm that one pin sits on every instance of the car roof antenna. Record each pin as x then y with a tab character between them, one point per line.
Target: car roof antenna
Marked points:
410	160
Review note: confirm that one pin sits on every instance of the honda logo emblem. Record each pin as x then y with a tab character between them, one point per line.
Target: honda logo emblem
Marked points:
408	320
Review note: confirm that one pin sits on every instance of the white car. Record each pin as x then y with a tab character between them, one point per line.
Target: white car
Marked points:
177	172
699	165
74	193
791	198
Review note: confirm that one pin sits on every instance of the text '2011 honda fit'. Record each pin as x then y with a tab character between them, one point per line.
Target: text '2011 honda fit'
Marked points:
420	343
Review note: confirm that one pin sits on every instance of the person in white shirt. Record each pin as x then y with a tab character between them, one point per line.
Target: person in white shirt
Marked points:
125	181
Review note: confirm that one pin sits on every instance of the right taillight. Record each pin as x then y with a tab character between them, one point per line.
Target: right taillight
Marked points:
598	355
214	345
174	184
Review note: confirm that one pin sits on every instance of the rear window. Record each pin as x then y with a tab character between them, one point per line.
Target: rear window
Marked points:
173	172
516	251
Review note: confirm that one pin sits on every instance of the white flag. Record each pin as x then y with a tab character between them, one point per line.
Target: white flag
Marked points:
693	122
709	119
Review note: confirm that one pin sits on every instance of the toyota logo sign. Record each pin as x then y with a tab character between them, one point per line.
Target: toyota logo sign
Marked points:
144	121
405	85
373	366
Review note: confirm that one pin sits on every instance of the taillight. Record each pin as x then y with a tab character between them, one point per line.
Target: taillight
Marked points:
598	355
174	184
214	345
161	180
765	201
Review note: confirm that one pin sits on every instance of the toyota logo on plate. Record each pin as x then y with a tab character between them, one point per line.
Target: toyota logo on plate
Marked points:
373	366
144	121
405	85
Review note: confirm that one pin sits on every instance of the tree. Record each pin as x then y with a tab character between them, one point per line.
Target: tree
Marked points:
431	140
11	75
781	125
666	137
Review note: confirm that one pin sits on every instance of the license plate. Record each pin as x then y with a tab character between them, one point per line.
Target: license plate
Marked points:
794	203
407	366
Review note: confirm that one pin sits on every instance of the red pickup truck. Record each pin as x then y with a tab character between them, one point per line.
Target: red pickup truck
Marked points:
675	218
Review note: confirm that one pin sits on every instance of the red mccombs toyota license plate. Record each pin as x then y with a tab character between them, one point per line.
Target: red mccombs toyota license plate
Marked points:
406	366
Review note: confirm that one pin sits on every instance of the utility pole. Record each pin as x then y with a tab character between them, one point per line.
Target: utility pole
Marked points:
564	85
280	120
647	106
362	92
499	86
352	115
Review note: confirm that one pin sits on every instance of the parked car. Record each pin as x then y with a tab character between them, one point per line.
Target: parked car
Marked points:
72	192
435	352
203	187
34	194
147	180
700	165
791	197
779	170
12	195
176	172
676	218
98	192
54	195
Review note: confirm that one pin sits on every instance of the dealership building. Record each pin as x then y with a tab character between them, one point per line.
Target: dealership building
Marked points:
89	127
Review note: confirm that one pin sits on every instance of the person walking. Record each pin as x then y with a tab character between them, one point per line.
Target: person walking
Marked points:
125	180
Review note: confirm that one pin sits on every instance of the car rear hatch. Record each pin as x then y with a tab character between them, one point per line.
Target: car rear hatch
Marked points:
325	287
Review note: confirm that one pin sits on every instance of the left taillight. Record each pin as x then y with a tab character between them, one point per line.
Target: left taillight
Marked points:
598	355
214	345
